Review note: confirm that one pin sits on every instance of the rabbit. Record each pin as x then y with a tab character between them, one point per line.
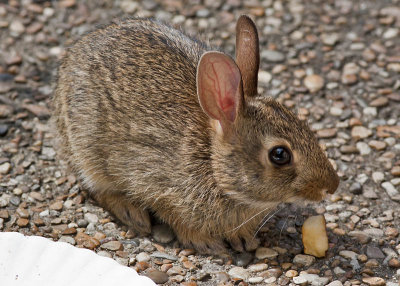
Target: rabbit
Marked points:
157	123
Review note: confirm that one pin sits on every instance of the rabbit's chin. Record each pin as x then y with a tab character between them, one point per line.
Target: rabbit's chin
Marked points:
302	201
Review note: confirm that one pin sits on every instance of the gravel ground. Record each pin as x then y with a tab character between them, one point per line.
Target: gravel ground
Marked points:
337	63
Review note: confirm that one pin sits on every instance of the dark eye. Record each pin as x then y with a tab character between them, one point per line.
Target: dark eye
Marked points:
280	156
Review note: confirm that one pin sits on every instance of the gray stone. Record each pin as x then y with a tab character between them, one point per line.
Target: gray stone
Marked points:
4	200
67	239
299	280
370	193
348	254
304	260
3	129
314	279
163	255
355	188
361	236
374	232
48	152
82	222
272	56
390	189
203	13
374	252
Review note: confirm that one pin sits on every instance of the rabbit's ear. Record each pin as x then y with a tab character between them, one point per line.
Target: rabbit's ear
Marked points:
219	87
247	54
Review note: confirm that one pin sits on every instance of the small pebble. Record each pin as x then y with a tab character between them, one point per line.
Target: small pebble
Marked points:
304	260
113	246
157	276
239	272
314	83
263	252
143	256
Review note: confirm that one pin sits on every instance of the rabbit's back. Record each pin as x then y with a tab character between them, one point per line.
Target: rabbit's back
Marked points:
126	96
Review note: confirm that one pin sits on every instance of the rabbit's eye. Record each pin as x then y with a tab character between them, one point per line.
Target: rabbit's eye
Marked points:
280	155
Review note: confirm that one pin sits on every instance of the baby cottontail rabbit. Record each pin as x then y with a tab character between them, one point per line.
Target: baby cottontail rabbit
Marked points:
156	122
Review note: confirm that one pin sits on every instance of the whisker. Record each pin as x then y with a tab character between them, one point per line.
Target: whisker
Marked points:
266	220
280	233
246	221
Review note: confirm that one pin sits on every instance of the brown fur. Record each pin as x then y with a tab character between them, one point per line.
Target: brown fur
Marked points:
132	127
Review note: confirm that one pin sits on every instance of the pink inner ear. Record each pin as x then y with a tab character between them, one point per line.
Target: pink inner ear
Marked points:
218	86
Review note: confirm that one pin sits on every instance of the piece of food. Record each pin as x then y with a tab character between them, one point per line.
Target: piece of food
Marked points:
315	239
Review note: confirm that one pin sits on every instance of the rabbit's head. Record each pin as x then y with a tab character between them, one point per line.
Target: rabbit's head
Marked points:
262	153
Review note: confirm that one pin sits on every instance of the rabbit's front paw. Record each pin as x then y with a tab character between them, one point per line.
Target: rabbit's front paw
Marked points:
241	242
202	243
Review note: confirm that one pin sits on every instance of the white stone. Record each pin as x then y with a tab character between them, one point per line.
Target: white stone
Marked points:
48	12
239	272
44	213
351	68
390	189
378	177
91	218
56	51
143	257
264	77
363	148
299	280
330	39
335	111
270	280
370	111
395	181
391	33
5	168
337	270
255	280
17	28
258	267
129	7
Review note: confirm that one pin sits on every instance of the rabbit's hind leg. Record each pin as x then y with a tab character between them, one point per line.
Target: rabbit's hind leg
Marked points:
132	215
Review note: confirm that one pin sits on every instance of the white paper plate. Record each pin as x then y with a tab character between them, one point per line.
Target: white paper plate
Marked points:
34	260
